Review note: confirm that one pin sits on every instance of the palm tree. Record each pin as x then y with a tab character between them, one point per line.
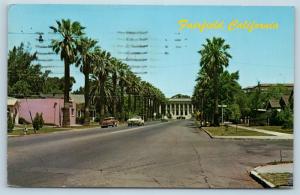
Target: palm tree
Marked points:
85	48
116	67
123	69
69	33
214	57
101	70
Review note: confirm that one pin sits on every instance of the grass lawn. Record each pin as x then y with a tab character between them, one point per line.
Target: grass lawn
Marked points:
275	128
278	179
41	131
47	129
232	131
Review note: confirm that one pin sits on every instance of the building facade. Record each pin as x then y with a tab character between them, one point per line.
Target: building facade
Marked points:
13	106
179	108
51	108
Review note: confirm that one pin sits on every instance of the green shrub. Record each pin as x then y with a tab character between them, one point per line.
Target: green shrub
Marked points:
41	120
286	118
80	120
10	123
38	122
97	118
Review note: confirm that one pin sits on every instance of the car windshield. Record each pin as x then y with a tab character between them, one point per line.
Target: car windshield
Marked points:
106	119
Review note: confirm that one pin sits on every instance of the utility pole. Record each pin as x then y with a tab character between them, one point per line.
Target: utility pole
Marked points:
222	106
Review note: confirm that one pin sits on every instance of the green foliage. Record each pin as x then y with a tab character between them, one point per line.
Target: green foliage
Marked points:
286	118
24	77
234	112
80	120
10	123
180	96
214	58
38	121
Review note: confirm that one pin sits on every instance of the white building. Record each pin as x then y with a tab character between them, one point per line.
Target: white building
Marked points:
179	107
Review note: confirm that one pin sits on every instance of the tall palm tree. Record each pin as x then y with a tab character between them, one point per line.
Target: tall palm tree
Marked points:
101	69
116	66
69	33
214	57
123	82
86	48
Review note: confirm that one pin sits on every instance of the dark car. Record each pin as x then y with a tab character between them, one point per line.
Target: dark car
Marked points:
109	121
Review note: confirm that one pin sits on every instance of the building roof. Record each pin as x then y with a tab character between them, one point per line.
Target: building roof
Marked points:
77	98
11	101
179	100
285	99
273	103
270	85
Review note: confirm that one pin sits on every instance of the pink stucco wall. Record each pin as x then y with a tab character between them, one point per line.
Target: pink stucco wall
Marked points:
50	107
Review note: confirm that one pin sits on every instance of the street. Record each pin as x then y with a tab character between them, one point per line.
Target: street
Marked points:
169	155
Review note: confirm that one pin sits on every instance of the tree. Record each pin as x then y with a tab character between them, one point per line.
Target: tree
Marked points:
24	77
37	122
79	91
101	70
10	123
85	48
66	47
286	117
214	58
55	85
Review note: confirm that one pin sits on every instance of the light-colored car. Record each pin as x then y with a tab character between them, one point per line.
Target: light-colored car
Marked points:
136	120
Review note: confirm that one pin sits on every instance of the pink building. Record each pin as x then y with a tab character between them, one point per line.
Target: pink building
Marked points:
50	107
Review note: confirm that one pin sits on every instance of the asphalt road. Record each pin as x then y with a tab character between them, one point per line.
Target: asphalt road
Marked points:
170	155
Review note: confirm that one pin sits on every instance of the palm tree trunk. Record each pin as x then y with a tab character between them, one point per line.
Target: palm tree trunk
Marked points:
122	102
134	103
101	93
86	98
216	100
129	103
66	108
145	109
114	111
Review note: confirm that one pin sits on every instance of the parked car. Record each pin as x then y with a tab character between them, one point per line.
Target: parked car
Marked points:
136	120
165	119
109	121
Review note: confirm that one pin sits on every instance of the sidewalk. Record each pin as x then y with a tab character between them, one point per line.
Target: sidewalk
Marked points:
279	175
277	134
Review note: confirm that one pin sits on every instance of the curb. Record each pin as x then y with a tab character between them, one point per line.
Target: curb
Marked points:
208	133
240	138
261	180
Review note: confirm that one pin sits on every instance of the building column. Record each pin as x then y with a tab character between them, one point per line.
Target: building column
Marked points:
183	109
159	109
192	108
166	109
179	109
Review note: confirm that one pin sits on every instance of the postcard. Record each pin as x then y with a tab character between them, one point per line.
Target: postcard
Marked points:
150	96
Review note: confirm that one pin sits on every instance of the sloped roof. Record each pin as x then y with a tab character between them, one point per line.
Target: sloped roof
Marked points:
285	99
274	103
11	101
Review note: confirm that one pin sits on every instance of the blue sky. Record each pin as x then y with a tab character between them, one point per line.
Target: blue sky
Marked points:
262	55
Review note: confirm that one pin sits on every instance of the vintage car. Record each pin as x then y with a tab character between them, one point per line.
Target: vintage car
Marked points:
109	121
136	120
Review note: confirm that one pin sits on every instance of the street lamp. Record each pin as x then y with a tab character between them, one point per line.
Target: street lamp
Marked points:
222	106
